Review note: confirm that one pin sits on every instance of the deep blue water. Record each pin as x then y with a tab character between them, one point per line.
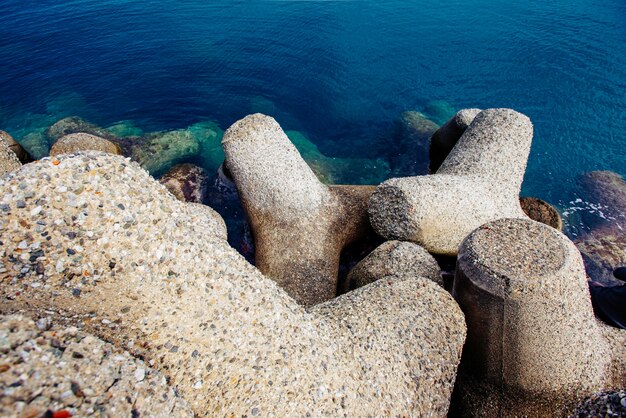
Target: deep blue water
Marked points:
338	71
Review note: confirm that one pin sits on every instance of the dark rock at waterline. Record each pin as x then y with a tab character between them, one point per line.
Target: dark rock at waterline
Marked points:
602	253
606	190
411	139
446	137
603	247
14	146
75	124
541	211
188	182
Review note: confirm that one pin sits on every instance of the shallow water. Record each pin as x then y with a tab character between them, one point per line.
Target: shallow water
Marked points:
340	72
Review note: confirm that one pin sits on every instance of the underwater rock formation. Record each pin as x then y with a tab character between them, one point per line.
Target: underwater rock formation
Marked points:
478	182
411	138
333	170
134	266
188	182
72	143
604	246
62	371
534	347
398	259
73	125
300	225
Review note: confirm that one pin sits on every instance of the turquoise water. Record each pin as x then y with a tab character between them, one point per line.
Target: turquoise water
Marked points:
339	72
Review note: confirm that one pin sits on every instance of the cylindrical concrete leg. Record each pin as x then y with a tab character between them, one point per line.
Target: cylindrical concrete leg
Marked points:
531	330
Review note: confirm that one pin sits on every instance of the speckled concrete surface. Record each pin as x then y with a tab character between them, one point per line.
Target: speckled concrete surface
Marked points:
478	182
534	347
300	225
94	240
8	160
398	259
19	151
60	370
446	137
83	142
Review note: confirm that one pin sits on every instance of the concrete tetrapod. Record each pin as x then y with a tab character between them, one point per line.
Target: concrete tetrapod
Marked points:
534	347
300	225
100	244
478	182
397	259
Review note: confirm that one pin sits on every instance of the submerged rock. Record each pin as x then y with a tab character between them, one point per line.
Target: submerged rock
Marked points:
604	246
36	144
439	111
61	371
125	128
136	267
480	181
188	182
209	136
410	143
83	142
72	125
332	170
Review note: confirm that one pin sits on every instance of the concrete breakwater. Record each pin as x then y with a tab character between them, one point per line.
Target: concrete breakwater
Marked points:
91	241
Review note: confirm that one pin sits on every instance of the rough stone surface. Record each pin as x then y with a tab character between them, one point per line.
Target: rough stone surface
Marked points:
478	182
72	143
534	347
603	246
610	404
300	225
101	244
446	137
19	151
188	182
8	159
398	259
72	125
541	211
62	369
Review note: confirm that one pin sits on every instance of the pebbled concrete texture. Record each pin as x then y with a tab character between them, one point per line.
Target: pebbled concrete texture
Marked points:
97	243
14	146
534	347
76	142
398	259
478	182
8	160
59	370
300	225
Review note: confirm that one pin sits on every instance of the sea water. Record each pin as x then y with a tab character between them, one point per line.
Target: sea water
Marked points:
338	72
